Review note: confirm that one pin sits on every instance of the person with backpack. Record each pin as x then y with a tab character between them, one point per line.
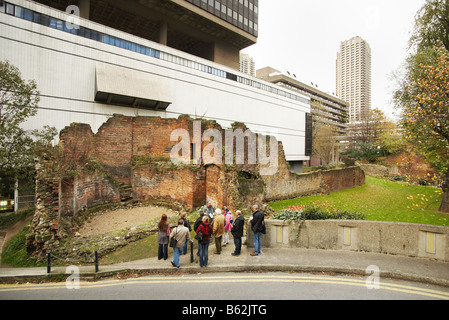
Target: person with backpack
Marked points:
228	225
204	232
197	224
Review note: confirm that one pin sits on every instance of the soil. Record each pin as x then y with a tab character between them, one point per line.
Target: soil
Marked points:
121	219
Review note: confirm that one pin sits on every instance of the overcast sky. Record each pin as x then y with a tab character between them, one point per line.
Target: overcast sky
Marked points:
303	37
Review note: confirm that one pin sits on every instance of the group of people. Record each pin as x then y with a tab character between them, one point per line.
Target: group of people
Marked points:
214	223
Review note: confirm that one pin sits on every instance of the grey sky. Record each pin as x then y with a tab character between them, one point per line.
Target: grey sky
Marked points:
303	37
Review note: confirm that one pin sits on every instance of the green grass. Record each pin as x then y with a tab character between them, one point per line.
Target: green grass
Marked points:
382	200
15	255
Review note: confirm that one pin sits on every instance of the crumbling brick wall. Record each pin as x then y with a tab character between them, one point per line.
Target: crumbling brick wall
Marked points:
129	158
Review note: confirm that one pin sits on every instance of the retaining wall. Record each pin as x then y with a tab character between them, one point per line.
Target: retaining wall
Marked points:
406	239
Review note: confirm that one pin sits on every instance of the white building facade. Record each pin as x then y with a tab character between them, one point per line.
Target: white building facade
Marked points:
88	73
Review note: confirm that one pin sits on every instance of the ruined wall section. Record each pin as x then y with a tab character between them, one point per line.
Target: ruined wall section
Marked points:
129	158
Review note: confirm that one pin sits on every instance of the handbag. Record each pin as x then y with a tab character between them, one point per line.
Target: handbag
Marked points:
173	241
168	230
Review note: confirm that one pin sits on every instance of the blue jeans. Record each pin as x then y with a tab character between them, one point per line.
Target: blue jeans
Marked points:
203	248
257	242
176	253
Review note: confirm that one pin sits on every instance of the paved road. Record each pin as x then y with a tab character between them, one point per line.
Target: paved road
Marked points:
229	287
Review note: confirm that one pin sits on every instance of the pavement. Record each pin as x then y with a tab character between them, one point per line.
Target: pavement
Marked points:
271	259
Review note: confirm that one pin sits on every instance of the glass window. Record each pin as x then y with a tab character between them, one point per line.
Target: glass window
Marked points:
10	9
28	14
19	12
36	17
52	23
59	24
2	7
94	35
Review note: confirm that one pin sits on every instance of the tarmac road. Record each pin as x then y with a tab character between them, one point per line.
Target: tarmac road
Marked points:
230	287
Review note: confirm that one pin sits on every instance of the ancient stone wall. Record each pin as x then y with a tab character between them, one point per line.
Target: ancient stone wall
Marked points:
129	159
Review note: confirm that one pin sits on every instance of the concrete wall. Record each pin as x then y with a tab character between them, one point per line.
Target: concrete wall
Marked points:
406	239
65	67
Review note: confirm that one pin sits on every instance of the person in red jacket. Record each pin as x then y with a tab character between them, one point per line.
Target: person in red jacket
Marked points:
203	244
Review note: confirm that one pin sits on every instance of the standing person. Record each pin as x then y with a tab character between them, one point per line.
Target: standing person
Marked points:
210	210
228	225
257	227
218	230
187	225
162	239
197	224
203	244
181	234
199	220
237	232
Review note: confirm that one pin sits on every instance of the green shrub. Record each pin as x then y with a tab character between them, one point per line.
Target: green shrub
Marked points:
315	212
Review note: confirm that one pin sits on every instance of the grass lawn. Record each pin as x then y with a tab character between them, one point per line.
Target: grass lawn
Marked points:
382	200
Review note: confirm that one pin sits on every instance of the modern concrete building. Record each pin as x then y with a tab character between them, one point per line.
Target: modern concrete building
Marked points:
354	76
247	64
325	108
214	30
149	58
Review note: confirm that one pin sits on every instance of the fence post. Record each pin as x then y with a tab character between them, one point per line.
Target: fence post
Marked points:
49	263
96	261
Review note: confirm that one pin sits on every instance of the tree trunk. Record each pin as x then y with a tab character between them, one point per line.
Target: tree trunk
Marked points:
445	203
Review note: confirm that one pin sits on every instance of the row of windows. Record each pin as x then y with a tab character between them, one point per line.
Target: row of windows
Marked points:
61	25
241	13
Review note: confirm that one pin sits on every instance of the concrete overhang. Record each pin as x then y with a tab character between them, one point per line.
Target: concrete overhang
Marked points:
131	88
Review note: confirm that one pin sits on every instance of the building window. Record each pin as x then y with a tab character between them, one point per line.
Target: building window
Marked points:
10	9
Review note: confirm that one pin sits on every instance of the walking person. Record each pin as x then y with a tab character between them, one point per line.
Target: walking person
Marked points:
163	236
218	230
203	244
181	234
187	225
257	228
237	232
